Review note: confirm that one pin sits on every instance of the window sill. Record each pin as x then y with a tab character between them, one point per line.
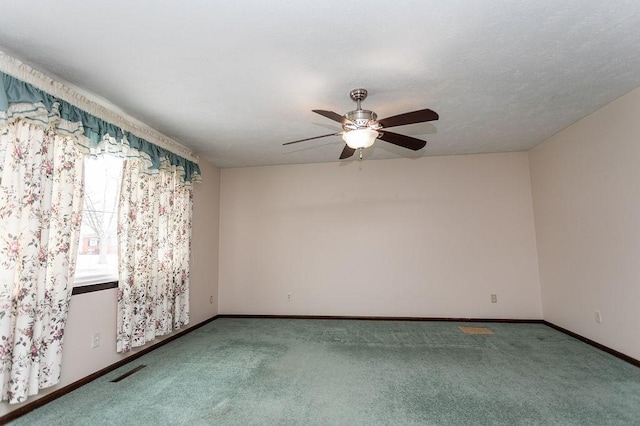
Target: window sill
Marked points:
94	287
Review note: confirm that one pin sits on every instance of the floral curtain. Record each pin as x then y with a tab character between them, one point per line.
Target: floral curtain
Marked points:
45	130
40	207
154	233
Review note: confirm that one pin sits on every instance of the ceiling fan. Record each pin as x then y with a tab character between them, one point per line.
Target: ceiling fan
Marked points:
362	128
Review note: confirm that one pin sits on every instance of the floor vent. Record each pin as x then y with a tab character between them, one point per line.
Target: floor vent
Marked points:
127	374
476	330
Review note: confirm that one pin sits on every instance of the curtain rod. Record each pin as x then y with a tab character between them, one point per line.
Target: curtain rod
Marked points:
82	100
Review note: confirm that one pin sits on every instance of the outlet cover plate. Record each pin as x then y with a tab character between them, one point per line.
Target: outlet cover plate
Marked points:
95	340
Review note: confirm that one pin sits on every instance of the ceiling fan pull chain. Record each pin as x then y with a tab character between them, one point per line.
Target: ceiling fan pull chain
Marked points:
361	149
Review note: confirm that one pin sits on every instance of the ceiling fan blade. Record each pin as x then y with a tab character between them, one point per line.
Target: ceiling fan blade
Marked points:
315	137
402	140
347	152
333	116
419	116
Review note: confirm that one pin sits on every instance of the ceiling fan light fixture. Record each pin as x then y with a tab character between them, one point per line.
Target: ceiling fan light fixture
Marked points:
360	138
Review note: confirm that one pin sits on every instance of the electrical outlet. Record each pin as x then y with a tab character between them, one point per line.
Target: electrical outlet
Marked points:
211	299
494	298
598	317
95	340
289	297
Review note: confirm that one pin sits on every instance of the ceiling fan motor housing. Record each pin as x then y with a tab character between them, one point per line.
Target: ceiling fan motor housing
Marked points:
362	118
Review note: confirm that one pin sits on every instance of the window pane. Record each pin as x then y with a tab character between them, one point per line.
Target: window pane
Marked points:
98	248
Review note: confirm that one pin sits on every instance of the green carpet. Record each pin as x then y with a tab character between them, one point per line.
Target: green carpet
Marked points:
341	372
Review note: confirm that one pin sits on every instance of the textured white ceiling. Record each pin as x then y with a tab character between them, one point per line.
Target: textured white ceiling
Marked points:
234	80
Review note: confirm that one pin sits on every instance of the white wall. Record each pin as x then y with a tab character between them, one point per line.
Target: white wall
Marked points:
431	237
96	312
586	191
204	245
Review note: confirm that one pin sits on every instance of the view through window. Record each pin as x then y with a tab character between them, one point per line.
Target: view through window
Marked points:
98	249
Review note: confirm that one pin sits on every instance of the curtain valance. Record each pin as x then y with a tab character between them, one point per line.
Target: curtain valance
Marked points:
95	130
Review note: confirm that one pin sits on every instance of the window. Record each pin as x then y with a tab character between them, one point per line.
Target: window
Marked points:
98	249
